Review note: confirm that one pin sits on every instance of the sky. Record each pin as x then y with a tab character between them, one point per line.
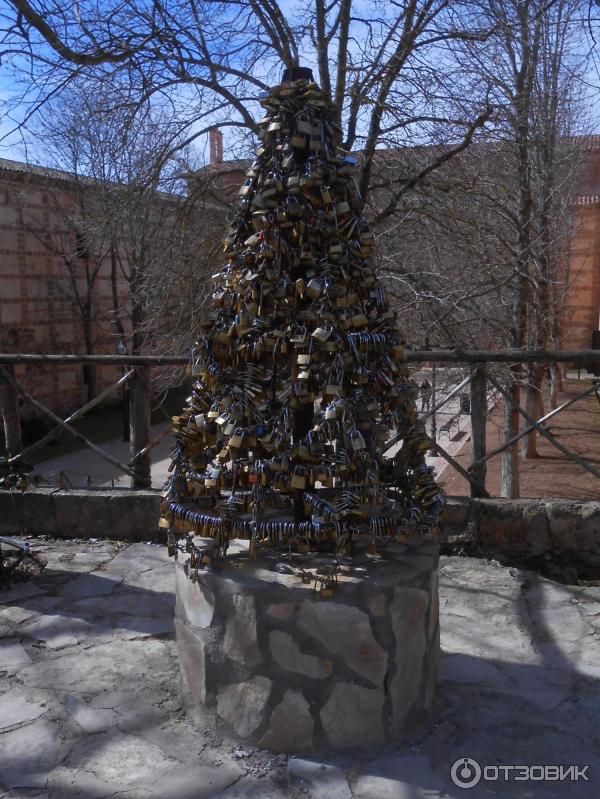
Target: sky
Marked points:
12	141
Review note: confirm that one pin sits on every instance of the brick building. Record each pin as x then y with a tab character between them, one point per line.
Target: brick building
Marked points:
42	274
37	312
582	307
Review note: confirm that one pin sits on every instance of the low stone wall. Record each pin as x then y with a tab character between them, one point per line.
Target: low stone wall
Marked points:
120	514
265	659
526	527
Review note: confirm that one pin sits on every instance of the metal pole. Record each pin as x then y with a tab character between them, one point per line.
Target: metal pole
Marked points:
433	432
125	411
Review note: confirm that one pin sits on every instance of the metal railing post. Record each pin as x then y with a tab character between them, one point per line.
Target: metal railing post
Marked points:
139	420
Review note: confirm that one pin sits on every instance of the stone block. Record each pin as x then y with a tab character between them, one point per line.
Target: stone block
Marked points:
100	667
88	585
282	611
198	782
240	642
323	781
242	704
28	753
412	777
27	512
352	708
276	658
346	631
192	662
408	612
290	725
456	514
250	788
519	526
10	514
287	654
109	763
195	601
91	719
127	515
575	526
12	656
16	707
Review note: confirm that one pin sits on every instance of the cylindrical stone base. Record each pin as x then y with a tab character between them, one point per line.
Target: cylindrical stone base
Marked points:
267	660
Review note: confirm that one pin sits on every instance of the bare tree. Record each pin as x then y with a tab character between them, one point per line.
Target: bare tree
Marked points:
72	237
126	211
392	70
477	251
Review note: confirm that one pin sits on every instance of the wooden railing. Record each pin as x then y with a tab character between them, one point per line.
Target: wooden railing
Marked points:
137	374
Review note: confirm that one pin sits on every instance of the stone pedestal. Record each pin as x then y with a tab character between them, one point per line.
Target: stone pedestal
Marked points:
265	659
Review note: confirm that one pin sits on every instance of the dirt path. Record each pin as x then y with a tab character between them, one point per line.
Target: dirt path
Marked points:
551	474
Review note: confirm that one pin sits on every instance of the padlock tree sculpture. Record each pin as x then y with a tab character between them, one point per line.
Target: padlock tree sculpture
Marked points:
301	380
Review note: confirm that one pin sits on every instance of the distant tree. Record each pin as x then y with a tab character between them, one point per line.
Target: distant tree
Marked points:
391	68
130	215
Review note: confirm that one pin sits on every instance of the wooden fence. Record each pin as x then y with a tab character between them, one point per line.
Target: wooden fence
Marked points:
137	374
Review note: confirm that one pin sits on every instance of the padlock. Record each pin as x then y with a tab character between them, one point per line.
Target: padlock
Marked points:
330	412
326	195
315	144
246	188
303	125
200	421
314	288
214	411
237	438
298	478
359	320
322	333
295	209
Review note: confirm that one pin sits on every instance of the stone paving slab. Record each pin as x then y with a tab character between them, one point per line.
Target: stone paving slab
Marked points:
90	702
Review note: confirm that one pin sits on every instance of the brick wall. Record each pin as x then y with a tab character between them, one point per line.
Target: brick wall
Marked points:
582	306
36	295
37	315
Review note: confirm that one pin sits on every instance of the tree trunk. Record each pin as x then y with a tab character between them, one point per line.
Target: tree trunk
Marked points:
139	416
89	369
509	479
114	284
9	405
534	405
478	428
554	385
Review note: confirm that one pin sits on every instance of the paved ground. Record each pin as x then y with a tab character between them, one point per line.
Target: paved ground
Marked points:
90	704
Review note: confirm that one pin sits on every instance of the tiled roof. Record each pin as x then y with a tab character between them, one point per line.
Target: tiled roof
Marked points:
34	169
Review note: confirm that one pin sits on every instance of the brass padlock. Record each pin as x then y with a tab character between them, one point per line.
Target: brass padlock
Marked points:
298	478
314	288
